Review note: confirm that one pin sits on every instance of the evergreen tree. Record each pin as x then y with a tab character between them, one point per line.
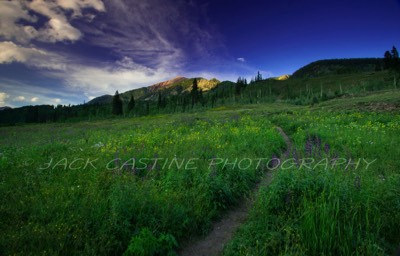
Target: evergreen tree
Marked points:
395	53
201	97
387	59
258	77
195	92
147	108
241	84
131	104
117	104
395	60
159	101
392	63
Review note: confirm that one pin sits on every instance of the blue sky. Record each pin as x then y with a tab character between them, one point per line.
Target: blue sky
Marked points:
69	51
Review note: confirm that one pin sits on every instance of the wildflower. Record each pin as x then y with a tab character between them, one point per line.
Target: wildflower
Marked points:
308	147
327	148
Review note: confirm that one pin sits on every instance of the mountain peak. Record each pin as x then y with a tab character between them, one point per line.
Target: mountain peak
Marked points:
282	78
167	83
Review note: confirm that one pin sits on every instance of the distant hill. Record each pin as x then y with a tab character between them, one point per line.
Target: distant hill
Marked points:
4	108
338	67
175	86
101	100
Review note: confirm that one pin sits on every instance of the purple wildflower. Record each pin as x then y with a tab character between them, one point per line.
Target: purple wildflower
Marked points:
327	148
308	147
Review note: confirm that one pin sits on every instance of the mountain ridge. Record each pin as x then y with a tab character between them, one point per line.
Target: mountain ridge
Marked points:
174	86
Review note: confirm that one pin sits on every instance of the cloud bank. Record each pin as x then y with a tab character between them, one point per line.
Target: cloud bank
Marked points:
19	20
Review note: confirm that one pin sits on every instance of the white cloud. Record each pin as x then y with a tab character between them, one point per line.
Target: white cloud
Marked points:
77	5
59	30
151	38
10	13
19	98
58	26
241	59
10	52
156	33
3	97
57	101
97	81
34	99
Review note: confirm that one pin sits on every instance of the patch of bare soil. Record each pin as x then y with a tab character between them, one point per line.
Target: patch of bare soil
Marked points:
381	106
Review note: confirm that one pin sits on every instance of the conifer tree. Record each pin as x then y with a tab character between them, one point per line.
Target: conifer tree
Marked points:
159	101
387	59
117	104
195	92
258	77
240	85
131	104
392	63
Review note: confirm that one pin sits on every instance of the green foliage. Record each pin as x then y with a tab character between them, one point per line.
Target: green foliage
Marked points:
104	211
146	244
334	210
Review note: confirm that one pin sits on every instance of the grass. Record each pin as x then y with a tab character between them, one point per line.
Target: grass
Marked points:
90	200
330	210
79	188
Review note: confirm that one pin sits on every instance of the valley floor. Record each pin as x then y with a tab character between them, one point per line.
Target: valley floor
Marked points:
152	185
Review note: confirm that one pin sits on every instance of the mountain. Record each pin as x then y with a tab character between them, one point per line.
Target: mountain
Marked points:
338	67
282	78
101	100
4	108
168	83
175	86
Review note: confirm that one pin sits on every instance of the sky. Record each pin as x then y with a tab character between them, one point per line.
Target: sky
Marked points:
70	51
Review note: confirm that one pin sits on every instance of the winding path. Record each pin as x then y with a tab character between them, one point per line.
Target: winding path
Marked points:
223	230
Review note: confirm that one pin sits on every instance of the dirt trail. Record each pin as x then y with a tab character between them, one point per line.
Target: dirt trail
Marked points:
223	230
286	138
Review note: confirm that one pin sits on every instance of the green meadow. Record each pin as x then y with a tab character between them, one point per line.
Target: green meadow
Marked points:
149	185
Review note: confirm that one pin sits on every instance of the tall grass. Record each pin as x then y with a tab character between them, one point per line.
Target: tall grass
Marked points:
330	211
109	208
